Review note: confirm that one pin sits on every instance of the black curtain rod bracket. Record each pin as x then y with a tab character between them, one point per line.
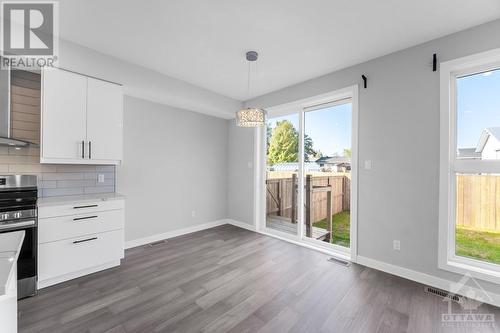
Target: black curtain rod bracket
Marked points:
434	62
364	81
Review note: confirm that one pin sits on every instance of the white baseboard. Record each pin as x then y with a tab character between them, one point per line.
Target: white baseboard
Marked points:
74	275
240	224
365	261
425	279
179	232
385	267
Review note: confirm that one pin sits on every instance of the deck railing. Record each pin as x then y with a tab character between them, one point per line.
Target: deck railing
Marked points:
324	196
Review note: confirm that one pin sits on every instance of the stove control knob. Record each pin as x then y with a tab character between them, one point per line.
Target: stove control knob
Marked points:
4	217
17	215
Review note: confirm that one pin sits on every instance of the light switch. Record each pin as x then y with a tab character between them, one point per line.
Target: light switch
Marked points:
368	164
100	178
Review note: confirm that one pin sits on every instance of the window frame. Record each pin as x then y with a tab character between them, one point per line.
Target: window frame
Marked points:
450	165
299	106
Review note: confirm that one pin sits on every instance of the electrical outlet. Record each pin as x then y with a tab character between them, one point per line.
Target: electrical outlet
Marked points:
368	164
100	178
396	245
193	213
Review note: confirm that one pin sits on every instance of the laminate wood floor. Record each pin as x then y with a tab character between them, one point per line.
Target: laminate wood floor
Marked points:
228	279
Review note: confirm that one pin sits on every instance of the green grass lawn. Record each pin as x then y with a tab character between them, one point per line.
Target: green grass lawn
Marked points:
478	245
341	227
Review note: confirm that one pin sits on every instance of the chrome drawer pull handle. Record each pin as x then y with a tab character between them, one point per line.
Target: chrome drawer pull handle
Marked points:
84	218
85	240
88	206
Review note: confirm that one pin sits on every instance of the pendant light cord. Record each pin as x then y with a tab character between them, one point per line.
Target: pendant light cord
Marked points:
248	80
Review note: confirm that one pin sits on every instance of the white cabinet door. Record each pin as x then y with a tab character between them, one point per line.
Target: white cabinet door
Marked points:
64	96
104	120
8	306
69	256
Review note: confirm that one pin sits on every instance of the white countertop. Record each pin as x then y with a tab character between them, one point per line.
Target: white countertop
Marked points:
77	199
10	246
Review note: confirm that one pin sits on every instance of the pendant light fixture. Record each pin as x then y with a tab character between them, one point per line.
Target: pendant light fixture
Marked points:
251	117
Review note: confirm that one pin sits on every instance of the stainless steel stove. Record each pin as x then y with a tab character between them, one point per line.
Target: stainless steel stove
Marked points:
18	211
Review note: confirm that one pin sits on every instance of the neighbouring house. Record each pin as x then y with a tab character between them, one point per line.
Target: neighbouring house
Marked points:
468	154
489	144
322	160
334	163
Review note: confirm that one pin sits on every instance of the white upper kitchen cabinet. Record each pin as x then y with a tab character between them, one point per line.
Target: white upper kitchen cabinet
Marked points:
82	119
63	122
104	120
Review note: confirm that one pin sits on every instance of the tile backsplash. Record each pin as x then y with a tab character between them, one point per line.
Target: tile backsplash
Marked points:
57	179
53	179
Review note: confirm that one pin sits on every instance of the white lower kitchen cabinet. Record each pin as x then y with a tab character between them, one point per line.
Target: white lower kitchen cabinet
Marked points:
78	236
8	305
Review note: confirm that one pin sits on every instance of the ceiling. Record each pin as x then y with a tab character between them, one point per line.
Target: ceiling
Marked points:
204	42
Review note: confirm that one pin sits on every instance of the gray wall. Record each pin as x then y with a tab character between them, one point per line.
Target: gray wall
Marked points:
399	131
240	173
175	162
145	83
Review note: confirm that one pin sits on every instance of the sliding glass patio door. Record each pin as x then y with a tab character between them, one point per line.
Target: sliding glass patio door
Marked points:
308	153
282	166
327	173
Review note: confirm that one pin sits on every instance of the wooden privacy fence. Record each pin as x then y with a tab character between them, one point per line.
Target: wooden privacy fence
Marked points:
280	198
478	202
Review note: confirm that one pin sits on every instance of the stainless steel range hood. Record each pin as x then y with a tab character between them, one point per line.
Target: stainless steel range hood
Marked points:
5	130
6	141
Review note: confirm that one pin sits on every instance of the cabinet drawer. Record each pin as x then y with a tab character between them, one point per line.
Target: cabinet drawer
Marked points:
79	208
70	226
72	255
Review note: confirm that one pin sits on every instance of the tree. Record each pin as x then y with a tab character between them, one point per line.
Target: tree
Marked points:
318	155
269	133
283	144
347	152
308	147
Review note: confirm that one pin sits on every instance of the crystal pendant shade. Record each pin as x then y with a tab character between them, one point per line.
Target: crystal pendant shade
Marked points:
251	117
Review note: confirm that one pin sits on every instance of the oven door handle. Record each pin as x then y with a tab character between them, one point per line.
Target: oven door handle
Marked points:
17	225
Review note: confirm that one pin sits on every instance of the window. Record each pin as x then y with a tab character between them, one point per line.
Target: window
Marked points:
327	154
478	115
282	167
306	174
470	166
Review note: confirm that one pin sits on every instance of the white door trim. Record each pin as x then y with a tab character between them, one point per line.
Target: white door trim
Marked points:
260	168
450	165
